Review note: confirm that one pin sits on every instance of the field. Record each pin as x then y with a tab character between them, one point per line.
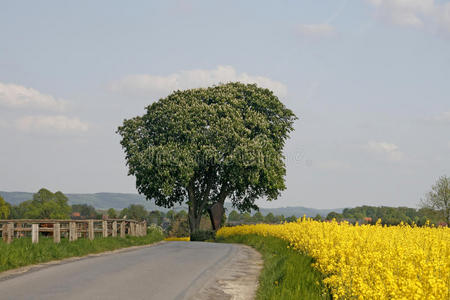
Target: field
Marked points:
368	261
22	252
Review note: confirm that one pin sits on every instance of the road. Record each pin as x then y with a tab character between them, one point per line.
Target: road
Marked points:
170	270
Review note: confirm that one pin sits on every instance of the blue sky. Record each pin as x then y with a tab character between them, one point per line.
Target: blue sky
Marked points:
370	81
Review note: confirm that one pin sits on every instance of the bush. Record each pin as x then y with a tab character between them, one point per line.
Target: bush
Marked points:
203	235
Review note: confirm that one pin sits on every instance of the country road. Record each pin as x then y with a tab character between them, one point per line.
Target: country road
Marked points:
170	270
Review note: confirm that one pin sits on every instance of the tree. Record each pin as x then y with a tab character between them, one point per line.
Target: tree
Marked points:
258	217
234	216
86	211
135	212
46	205
202	146
439	198
5	209
112	213
270	218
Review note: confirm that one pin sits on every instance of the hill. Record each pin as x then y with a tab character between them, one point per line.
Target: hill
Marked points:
122	200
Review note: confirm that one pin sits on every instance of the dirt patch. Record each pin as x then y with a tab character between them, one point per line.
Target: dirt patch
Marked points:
237	280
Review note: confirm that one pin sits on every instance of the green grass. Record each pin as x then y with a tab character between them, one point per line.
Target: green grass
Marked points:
22	252
287	274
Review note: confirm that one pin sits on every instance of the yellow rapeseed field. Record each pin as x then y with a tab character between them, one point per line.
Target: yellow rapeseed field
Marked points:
369	261
177	239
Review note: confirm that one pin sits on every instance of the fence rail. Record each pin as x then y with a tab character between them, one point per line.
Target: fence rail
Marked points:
71	229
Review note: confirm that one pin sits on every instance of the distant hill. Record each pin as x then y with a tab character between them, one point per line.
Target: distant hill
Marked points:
122	200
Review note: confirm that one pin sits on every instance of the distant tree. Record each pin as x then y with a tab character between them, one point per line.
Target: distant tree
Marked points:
318	217
155	217
202	146
280	218
246	217
5	209
258	217
112	213
234	216
86	211
181	214
439	198
270	218
46	205
334	215
291	219
171	215
134	212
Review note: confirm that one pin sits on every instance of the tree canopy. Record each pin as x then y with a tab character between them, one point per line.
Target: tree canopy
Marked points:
5	208
439	198
44	205
202	146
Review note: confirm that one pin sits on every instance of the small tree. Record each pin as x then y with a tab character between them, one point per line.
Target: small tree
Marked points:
4	209
439	198
112	213
203	146
234	216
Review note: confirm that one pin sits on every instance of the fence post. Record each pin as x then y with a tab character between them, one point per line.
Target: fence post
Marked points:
18	230
10	232
105	228
133	229
114	228
4	233
122	229
91	229
57	233
35	233
145	229
73	235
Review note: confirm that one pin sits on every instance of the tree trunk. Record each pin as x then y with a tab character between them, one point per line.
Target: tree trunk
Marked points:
194	220
216	212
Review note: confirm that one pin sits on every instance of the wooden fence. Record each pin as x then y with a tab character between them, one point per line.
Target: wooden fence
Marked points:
71	229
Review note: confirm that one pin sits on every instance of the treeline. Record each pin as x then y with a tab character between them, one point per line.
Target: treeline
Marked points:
48	205
388	215
235	218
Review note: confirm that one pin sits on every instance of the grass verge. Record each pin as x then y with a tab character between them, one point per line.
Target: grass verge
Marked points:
21	252
287	274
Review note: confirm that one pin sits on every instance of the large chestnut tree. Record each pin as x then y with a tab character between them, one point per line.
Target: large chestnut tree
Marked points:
207	145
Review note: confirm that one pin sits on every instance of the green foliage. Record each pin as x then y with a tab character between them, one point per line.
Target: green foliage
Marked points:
203	235
86	211
5	209
112	213
291	219
202	146
134	212
287	274
388	215
22	252
439	198
44	205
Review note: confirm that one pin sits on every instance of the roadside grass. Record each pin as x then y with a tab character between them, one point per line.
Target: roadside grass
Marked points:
21	252
287	274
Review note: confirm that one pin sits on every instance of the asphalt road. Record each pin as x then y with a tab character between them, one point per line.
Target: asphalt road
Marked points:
172	270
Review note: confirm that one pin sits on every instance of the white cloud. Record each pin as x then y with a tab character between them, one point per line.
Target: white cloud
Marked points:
387	150
415	13
316	30
442	118
18	96
147	84
51	124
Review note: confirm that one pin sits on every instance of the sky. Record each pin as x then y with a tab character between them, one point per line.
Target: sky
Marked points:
368	79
